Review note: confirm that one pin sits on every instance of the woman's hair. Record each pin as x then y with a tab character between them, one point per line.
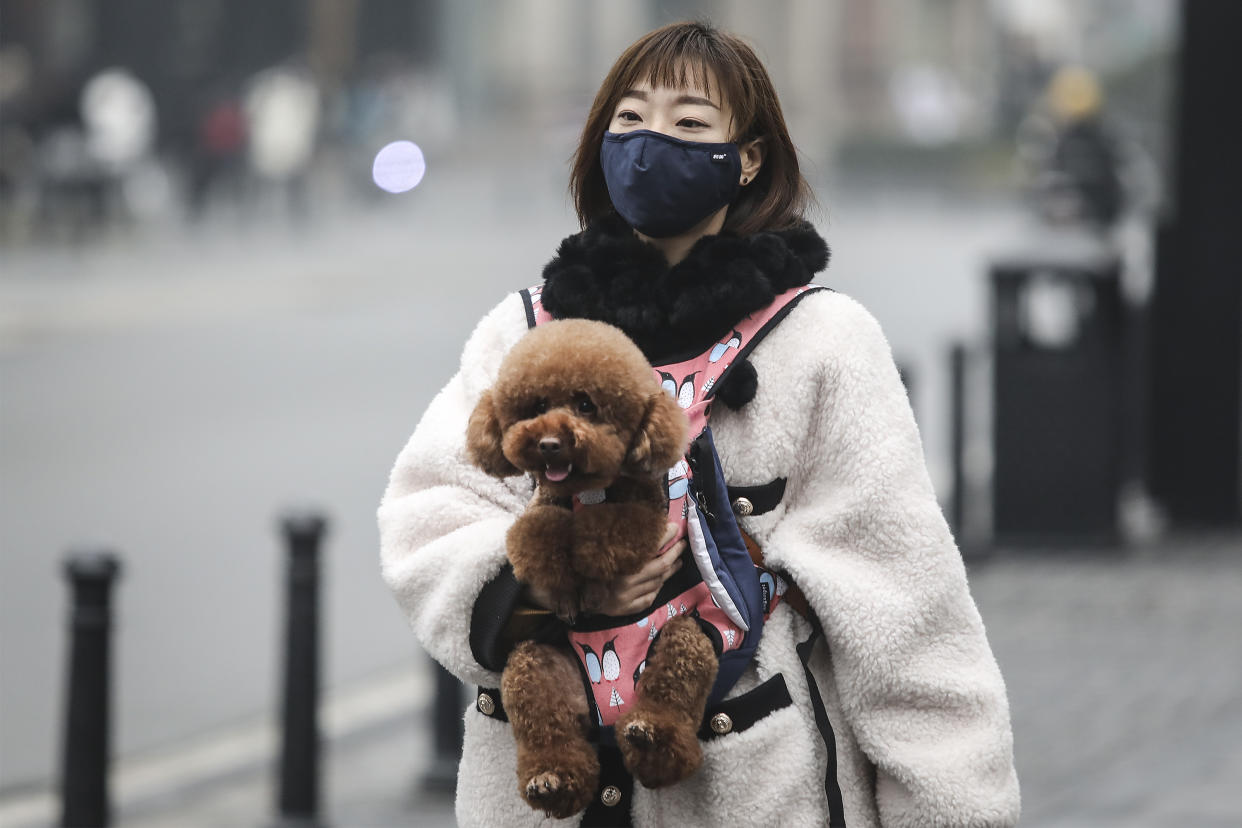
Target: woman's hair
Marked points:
671	56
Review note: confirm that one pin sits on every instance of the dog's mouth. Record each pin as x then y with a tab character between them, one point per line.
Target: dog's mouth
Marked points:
557	473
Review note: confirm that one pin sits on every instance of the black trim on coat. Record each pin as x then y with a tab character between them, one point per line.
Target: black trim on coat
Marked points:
490	617
611	772
764	497
746	709
491	612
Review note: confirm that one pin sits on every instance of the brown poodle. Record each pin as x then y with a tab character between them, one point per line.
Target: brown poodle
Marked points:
577	406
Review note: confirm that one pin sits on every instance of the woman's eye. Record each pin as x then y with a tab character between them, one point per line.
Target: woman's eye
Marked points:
586	406
692	123
631	117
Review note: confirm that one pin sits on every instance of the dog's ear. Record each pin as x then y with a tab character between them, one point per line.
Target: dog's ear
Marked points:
661	439
484	439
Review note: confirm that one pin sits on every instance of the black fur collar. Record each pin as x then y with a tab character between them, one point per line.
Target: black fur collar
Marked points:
608	274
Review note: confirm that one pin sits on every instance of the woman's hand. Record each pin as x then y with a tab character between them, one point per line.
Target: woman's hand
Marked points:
634	593
631	593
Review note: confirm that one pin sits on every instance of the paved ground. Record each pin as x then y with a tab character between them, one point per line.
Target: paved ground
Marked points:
1124	681
1123	674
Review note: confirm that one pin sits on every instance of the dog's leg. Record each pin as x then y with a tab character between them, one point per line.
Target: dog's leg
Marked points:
540	547
614	539
557	769
658	736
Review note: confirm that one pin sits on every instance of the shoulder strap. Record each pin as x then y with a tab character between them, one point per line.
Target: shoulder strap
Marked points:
767	319
535	314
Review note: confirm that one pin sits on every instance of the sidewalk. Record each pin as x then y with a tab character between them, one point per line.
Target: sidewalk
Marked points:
1123	674
1125	681
376	747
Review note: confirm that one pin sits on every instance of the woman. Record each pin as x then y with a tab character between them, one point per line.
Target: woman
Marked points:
896	714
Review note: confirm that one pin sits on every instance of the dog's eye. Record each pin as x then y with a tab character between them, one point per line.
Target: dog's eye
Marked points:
585	406
541	406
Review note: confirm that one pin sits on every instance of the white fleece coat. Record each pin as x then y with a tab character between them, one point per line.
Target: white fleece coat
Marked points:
910	685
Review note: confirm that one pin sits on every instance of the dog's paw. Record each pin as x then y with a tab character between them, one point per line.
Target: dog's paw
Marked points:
658	751
557	793
640	734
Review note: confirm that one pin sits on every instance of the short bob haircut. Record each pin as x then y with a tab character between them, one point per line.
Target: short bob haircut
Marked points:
671	56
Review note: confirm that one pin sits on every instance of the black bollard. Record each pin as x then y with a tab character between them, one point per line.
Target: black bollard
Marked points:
299	758
957	440
446	729
84	781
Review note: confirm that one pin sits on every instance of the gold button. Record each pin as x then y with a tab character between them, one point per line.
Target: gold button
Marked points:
721	723
610	796
742	506
486	706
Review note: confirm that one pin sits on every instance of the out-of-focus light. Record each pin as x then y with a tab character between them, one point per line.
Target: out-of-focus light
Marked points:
399	167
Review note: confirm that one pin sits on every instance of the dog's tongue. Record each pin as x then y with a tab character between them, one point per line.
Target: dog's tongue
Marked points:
558	473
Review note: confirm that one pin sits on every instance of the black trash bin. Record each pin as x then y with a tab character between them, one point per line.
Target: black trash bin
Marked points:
1057	383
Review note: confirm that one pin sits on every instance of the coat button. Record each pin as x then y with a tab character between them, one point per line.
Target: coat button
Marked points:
743	507
486	705
610	796
721	723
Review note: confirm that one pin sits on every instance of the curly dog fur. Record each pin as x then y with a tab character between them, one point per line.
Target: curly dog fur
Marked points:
577	407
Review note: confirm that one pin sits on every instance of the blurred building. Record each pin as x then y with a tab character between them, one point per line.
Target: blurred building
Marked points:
926	73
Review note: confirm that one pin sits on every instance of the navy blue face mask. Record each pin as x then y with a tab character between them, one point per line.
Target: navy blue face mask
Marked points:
661	185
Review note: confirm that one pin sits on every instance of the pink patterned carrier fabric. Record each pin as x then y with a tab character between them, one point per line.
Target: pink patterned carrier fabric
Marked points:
614	658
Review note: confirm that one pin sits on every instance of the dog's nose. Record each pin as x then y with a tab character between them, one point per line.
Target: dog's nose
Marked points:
549	446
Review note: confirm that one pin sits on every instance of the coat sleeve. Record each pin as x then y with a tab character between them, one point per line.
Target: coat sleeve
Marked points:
864	538
442	521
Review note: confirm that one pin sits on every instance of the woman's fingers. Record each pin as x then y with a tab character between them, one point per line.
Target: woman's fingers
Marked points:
637	592
660	567
670	532
655	572
671	560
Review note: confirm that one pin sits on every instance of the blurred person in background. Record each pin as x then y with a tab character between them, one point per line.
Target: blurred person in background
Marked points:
217	161
282	110
16	145
879	701
1074	157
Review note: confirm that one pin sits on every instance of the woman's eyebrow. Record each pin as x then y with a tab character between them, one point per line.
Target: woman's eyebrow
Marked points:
695	99
681	99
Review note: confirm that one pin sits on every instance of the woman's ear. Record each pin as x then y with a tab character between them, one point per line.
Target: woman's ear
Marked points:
752	159
661	439
484	439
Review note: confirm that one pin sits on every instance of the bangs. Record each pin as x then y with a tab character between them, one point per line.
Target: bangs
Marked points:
680	58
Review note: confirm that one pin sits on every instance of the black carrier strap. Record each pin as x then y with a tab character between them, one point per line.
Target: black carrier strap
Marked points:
832	787
529	305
